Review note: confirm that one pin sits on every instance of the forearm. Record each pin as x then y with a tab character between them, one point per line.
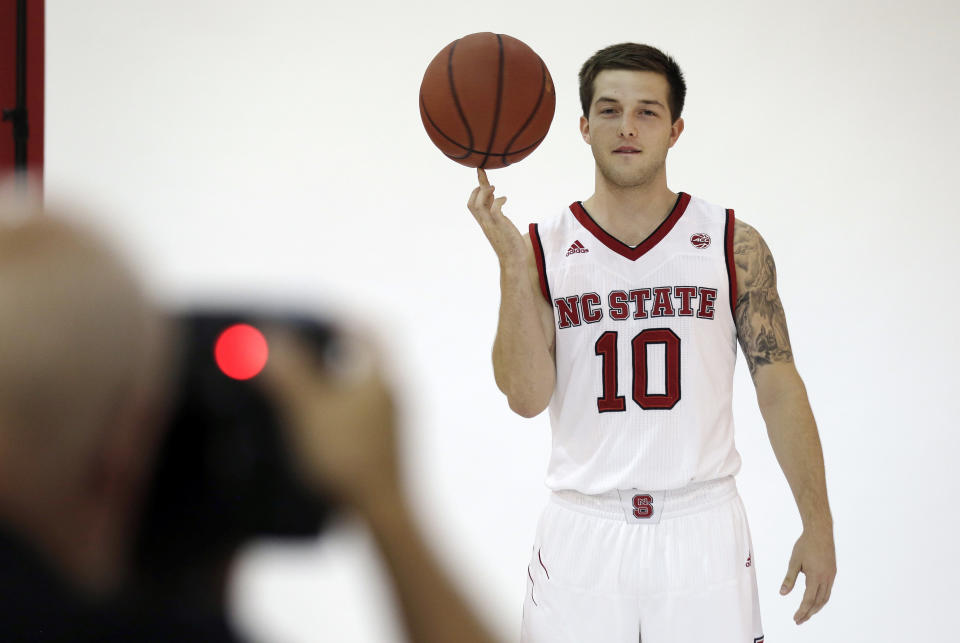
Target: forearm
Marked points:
522	363
432	609
793	435
782	397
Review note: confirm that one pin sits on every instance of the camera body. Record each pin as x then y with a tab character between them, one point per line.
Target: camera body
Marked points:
224	471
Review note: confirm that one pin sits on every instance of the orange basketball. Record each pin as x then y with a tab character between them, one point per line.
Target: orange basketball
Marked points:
487	100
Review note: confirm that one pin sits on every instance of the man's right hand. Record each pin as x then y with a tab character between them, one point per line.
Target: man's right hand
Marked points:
523	365
505	238
339	417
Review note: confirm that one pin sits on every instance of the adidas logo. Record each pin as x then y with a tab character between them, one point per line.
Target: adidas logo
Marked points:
576	246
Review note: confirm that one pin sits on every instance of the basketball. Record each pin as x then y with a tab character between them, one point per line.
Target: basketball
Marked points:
487	100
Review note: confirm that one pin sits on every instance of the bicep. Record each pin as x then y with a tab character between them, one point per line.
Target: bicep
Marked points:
760	319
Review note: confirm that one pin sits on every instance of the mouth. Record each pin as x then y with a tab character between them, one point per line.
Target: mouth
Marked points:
626	150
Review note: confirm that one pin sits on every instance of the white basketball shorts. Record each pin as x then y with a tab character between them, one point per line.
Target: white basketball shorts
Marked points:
643	566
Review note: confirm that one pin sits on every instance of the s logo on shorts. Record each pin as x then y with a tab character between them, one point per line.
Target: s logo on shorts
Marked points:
642	506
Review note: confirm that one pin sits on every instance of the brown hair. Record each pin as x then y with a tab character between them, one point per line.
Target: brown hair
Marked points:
629	55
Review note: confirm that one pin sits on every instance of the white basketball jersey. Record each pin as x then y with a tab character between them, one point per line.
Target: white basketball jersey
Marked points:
645	350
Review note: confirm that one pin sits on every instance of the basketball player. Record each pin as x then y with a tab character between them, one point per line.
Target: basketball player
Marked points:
623	315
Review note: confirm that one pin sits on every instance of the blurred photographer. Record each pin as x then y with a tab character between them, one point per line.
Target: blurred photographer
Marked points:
87	417
279	456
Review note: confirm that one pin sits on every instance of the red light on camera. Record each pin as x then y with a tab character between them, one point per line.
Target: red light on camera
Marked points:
241	351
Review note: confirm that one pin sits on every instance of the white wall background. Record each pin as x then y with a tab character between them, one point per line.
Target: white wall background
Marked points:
248	149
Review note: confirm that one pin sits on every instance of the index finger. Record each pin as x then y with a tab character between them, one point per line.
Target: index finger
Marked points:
482	176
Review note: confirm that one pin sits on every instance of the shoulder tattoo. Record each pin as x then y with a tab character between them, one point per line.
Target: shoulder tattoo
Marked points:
761	323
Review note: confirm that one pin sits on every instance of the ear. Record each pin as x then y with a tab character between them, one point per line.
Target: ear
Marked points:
585	129
675	130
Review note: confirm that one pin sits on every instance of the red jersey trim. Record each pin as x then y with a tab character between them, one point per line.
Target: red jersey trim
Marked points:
541	262
620	247
731	266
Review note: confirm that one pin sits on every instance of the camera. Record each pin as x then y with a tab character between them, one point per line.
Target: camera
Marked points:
224	472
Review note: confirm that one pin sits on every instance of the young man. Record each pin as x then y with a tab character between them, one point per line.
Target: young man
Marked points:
623	315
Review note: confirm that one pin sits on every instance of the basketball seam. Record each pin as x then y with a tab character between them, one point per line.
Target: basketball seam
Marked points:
522	149
470	150
496	110
456	99
536	108
443	134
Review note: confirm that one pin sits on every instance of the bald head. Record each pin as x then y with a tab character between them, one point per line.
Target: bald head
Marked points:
82	365
76	331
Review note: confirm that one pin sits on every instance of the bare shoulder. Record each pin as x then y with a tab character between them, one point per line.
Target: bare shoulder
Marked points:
753	259
761	322
748	245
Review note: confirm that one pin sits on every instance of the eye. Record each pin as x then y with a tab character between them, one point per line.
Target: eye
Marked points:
648	112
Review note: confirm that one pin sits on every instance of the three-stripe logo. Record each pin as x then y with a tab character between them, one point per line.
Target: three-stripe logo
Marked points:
575	247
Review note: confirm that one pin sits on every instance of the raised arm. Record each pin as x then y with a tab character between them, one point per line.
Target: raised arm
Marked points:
523	361
782	397
340	423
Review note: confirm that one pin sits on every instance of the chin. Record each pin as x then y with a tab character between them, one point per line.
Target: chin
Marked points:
624	175
634	174
626	179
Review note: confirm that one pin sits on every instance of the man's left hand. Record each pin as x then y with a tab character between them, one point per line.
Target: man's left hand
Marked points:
815	556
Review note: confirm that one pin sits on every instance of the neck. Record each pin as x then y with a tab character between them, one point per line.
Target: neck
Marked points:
631	213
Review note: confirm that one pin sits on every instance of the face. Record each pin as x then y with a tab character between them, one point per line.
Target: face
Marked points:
630	127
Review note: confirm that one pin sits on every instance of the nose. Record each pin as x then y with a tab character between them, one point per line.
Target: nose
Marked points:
628	126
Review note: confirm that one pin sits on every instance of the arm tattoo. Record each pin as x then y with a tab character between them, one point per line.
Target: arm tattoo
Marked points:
761	324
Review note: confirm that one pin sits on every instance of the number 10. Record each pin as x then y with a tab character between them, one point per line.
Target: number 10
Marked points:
606	348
